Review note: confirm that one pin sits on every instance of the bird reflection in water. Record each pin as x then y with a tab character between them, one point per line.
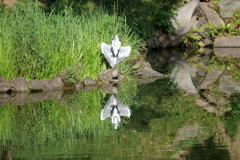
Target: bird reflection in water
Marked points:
114	109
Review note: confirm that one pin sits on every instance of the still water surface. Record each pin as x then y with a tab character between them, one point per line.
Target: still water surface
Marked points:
157	120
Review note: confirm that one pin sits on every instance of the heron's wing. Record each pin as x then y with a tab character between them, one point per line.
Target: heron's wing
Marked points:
105	114
124	52
107	109
124	110
106	50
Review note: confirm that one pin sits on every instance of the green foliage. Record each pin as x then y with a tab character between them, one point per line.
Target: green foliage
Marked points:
141	14
235	21
192	40
162	19
225	63
37	45
216	2
232	117
223	30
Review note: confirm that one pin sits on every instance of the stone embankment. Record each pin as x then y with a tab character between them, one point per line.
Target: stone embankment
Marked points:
108	76
19	91
196	15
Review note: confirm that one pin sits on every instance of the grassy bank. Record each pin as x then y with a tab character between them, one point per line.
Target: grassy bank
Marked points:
37	45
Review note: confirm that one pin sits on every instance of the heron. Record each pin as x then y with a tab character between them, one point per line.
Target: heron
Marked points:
114	109
114	53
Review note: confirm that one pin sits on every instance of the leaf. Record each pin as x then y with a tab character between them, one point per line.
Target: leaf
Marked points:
201	44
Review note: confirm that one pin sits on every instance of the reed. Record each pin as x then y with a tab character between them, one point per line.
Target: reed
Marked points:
37	45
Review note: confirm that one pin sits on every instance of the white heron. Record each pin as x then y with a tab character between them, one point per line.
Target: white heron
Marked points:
114	53
114	109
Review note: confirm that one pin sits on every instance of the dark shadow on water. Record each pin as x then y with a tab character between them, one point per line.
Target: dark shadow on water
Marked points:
209	150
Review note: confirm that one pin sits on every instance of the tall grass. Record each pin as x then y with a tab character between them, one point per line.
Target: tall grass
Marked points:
37	45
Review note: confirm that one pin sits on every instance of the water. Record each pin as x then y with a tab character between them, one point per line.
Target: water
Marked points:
167	121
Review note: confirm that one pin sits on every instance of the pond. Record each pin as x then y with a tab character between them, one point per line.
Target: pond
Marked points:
197	118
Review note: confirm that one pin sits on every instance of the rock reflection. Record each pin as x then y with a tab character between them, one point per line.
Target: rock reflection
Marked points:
179	70
114	109
22	98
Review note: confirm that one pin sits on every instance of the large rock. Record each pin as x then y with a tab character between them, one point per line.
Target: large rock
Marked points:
111	88
211	15
89	82
19	85
19	99
37	96
210	78
233	41
227	46
35	85
109	76
56	94
186	16
227	52
185	77
149	73
55	83
4	99
4	84
228	7
182	23
228	85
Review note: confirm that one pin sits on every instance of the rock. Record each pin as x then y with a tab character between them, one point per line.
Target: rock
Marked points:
214	98
109	76
78	85
19	85
228	7
9	3
211	15
201	71
37	96
4	99
182	23
46	81
89	82
4	84
19	99
56	94
206	51
147	80
210	78
142	65
206	41
148	73
227	52
115	73
186	16
233	41
35	85
210	107
200	22
89	88
55	83
111	88
228	85
185	77
227	46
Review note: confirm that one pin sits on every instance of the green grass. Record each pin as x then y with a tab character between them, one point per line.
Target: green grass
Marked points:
37	45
